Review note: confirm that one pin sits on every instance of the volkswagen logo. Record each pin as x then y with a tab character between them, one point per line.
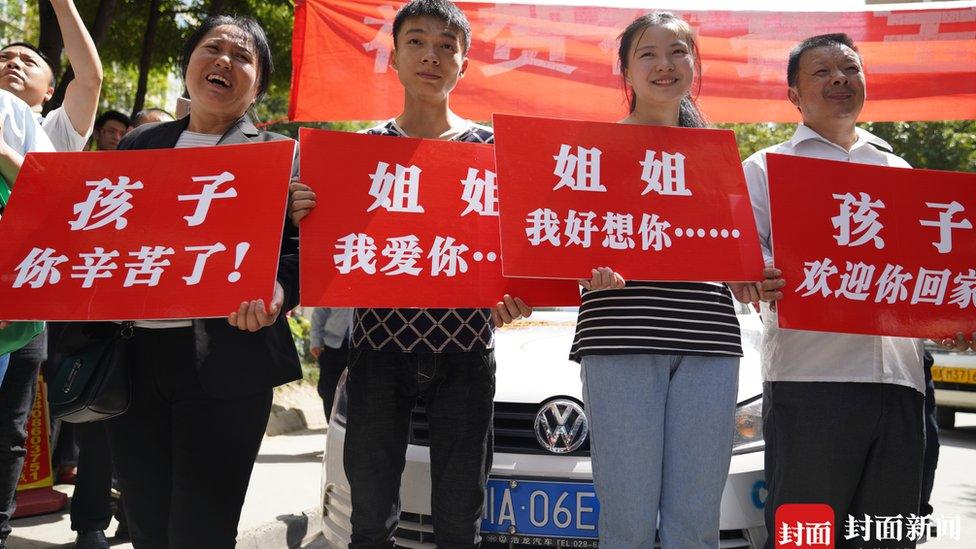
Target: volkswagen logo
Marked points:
561	426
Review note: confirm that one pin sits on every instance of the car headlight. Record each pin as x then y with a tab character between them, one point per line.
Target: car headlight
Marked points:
747	436
340	404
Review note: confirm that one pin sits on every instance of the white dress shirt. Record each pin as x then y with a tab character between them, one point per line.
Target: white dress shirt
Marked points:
800	355
57	125
21	130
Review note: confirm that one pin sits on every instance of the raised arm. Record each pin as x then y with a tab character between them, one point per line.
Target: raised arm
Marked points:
81	96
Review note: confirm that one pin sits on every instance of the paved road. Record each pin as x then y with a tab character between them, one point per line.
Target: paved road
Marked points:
954	494
955	482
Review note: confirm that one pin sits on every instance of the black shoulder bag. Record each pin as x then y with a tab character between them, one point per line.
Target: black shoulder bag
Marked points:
92	382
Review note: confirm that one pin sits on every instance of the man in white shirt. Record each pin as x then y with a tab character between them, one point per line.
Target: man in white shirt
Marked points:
842	414
26	74
19	134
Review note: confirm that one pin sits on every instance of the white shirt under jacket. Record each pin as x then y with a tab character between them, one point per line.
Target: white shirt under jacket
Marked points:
799	355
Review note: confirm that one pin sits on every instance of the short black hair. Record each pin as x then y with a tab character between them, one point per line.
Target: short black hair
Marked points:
445	10
39	53
112	115
819	41
250	27
140	116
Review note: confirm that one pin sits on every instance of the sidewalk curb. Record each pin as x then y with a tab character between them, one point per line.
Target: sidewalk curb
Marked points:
296	406
291	531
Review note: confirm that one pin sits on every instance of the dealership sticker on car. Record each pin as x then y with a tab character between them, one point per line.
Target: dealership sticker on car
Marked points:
540	509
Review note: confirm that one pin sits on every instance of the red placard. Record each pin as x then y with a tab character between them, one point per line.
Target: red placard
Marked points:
406	223
542	59
651	202
136	235
873	250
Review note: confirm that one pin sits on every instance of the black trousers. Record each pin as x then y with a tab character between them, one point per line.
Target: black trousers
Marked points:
183	457
16	399
854	446
458	392
931	459
332	362
91	502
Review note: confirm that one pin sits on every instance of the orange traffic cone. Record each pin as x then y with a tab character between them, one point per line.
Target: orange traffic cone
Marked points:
35	495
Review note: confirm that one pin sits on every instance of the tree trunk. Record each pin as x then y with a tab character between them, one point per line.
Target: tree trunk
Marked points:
216	7
98	30
145	60
50	42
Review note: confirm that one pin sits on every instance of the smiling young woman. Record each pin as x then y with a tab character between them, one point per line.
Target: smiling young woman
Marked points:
658	358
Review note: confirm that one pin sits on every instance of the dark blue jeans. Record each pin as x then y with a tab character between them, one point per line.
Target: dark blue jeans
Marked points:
4	360
458	390
16	399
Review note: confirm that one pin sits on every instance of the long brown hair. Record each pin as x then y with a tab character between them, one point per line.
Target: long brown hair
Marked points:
689	115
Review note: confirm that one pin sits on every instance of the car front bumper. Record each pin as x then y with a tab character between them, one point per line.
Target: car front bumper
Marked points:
741	521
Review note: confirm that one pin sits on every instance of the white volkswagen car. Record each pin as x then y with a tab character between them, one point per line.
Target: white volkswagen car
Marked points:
541	488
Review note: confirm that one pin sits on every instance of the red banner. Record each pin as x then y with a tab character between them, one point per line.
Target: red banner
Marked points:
873	250
115	236
406	223
651	202
560	61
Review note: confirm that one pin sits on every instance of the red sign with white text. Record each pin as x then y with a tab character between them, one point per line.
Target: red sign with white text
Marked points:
873	250
651	202
406	222
138	235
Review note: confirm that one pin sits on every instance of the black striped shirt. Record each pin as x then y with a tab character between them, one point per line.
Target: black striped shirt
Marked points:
661	318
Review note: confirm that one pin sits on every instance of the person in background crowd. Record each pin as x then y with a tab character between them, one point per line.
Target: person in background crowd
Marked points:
842	413
203	387
663	355
331	328
146	116
110	128
453	369
25	73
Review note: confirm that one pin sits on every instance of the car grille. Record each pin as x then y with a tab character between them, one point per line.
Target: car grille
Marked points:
514	429
416	530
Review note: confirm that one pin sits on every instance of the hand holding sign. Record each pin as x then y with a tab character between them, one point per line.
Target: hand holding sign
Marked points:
252	316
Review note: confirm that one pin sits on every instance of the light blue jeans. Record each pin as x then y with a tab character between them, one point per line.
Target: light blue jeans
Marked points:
662	441
4	361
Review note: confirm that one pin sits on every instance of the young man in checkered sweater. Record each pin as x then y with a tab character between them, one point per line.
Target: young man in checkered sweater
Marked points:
444	356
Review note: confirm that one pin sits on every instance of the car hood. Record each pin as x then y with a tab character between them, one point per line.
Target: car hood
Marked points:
533	365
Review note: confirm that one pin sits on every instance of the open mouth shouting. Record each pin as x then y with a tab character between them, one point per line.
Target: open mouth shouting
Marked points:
218	80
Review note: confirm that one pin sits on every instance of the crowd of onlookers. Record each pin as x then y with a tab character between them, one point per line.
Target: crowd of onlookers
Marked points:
843	414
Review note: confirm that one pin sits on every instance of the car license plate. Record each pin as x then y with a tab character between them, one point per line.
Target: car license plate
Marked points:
539	508
954	375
